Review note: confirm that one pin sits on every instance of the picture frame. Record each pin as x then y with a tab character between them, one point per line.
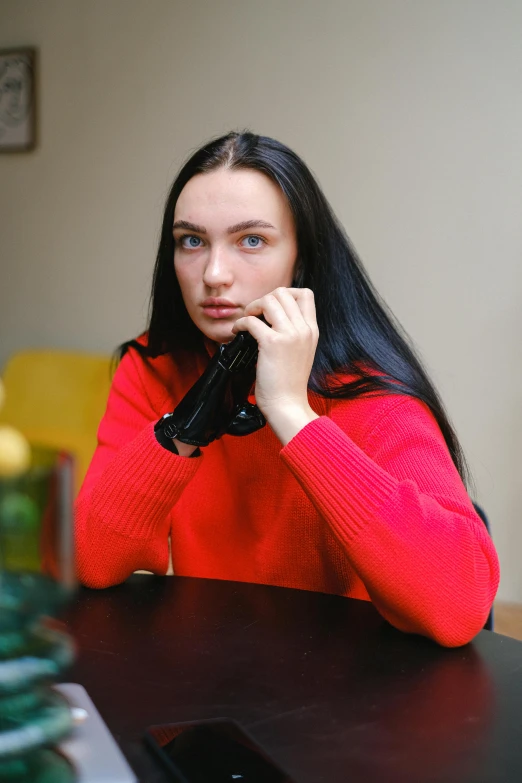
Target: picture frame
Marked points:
17	100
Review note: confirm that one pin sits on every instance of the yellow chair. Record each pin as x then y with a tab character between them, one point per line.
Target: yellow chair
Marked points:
57	398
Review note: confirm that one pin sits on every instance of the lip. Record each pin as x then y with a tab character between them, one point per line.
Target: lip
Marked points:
220	312
219	308
219	301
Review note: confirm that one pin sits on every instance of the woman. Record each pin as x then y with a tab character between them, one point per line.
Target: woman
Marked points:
353	488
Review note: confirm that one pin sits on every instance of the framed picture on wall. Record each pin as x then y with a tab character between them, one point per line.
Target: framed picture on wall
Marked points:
17	100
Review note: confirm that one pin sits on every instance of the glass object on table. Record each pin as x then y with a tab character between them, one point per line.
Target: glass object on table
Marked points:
37	576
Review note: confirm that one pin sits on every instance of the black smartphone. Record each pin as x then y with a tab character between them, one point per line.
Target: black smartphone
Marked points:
212	751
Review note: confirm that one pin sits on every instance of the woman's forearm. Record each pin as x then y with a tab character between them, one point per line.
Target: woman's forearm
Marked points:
429	568
122	515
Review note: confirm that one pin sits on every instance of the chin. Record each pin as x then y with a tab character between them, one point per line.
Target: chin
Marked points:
219	333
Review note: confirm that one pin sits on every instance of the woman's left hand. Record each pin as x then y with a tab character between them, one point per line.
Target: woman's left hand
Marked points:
286	354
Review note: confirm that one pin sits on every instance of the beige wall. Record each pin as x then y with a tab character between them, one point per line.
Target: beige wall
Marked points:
410	114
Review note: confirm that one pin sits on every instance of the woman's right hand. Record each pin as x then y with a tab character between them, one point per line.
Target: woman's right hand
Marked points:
287	344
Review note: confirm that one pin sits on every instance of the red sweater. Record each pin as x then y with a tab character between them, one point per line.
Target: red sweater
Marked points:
363	502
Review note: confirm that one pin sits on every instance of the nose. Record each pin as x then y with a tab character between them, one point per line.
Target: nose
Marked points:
218	270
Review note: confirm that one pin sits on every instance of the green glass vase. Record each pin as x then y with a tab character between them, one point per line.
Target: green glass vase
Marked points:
36	580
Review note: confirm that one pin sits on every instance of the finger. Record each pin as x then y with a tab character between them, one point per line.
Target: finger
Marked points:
252	324
291	306
287	298
299	306
306	302
304	298
273	310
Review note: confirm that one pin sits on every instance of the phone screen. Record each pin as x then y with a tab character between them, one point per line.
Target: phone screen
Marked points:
212	751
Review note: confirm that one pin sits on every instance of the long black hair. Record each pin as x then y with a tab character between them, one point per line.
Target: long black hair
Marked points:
357	332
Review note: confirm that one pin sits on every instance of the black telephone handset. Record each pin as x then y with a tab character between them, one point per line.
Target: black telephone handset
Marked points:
239	354
217	403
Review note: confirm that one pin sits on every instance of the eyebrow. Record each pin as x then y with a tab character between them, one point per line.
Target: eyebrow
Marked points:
246	224
189	226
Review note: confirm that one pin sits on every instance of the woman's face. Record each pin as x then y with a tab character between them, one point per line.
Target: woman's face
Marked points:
235	241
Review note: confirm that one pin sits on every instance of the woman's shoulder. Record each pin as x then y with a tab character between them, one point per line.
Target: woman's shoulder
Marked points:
375	416
372	413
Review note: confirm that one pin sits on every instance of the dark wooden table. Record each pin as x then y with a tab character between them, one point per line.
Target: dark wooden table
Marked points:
323	683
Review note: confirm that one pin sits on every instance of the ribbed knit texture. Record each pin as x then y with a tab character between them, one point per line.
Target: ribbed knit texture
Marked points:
364	502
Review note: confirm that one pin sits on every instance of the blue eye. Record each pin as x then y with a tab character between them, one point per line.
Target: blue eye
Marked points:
190	241
252	241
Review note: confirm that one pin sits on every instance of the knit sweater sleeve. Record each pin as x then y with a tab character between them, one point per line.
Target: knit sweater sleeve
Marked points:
398	507
122	510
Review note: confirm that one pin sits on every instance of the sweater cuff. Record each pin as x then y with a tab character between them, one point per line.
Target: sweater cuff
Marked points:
345	484
144	482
